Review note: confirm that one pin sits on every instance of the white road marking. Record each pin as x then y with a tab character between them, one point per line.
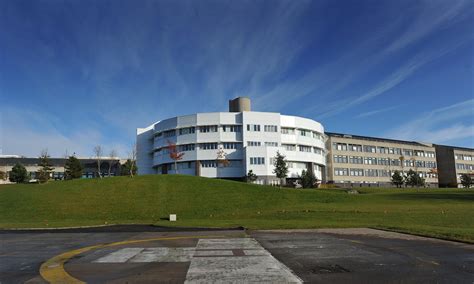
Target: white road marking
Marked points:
257	266
120	256
214	261
164	254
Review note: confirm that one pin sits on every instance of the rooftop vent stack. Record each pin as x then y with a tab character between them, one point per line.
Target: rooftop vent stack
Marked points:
239	104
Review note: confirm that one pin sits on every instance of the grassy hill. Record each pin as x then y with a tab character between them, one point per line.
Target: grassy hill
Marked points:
219	203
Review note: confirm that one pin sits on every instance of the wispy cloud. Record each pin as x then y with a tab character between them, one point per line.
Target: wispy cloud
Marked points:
28	132
374	112
441	125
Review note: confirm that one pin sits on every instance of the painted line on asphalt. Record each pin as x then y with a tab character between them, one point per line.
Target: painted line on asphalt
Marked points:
53	270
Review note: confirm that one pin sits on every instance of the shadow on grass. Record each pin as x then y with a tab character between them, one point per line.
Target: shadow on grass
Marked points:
464	196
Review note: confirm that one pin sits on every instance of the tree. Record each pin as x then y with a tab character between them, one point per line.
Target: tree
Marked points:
73	168
308	179
18	174
112	155
98	156
414	179
281	168
133	160
221	160
251	177
3	175
128	167
466	180
44	173
397	179
175	155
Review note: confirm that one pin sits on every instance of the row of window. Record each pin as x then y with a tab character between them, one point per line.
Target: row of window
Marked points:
382	150
238	128
301	132
202	129
203	146
204	164
465	167
463	157
373	173
302	148
257	160
343	159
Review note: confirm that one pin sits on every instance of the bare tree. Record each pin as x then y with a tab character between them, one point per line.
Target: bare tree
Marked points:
133	158
98	155
112	155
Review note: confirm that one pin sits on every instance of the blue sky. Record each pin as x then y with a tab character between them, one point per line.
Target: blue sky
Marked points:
74	74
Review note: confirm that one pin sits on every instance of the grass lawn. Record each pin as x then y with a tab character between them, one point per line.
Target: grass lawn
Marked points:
446	213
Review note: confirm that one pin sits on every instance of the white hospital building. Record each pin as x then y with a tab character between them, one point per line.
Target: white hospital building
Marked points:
249	139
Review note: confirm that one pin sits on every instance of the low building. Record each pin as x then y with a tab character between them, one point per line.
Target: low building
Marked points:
7	162
248	139
452	163
354	160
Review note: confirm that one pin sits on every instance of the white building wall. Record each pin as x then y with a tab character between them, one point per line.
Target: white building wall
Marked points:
149	142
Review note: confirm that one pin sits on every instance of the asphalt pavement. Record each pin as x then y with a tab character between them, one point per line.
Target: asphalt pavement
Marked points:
146	254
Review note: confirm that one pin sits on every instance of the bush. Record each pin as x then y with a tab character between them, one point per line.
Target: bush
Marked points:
308	179
19	174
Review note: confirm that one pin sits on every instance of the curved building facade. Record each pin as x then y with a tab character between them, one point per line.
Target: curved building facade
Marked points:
249	140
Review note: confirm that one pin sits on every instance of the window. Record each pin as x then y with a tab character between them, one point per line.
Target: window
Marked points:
231	145
231	128
317	150
318	136
340	159
289	147
430	154
207	146
253	127
169	133
303	148
409	163
370	149
356	172
371	173
356	160
208	128
430	164
383	173
254	143
355	148
209	164
467	158
285	130
370	161
407	152
186	147
419	153
340	146
341	172
270	128
188	130
395	162
458	156
397	151
159	134
382	150
383	161
271	144
257	160
304	132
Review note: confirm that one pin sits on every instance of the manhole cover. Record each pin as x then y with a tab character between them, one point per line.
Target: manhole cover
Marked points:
333	268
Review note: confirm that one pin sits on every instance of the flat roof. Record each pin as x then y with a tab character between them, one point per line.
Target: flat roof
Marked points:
375	139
